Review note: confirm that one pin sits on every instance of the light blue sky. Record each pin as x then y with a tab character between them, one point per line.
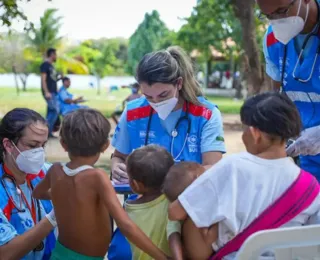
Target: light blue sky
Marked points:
106	18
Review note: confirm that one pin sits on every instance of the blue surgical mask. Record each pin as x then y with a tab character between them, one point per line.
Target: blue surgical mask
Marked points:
134	91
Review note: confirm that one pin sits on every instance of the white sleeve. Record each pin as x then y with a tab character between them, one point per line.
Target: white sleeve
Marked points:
209	199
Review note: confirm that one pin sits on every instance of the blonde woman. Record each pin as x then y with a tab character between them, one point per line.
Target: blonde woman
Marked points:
172	113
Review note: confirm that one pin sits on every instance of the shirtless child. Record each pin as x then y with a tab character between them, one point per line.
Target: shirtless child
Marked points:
83	197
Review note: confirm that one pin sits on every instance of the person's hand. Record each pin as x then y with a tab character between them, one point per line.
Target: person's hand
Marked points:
48	95
119	173
79	99
52	218
307	144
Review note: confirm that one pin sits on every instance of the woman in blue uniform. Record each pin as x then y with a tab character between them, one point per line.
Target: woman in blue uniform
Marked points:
172	113
26	224
291	49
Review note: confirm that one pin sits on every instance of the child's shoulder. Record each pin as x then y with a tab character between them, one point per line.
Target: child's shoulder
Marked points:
97	174
233	159
54	167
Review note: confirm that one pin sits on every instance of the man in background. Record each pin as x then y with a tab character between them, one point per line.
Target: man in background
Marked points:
49	88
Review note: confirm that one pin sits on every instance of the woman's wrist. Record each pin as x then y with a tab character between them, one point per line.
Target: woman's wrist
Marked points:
51	217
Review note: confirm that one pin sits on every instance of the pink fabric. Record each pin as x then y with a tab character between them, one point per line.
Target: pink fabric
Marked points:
298	197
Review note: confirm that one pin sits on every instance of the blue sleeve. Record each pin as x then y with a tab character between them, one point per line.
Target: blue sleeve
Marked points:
212	137
7	231
271	69
121	140
63	94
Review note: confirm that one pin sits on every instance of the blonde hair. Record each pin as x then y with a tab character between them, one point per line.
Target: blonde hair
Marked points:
167	66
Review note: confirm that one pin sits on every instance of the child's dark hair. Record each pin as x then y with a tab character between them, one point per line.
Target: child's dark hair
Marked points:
85	132
149	165
179	177
14	123
272	113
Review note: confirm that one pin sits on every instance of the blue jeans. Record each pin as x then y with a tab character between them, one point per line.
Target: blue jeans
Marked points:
53	111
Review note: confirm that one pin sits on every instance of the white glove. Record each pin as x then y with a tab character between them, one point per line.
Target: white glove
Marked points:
52	218
307	144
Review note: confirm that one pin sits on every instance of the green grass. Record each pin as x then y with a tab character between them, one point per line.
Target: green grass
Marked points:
105	102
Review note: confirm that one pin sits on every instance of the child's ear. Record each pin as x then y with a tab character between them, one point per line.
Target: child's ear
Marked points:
105	146
137	187
64	146
256	134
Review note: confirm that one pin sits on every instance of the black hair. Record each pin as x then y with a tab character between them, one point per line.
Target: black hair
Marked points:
149	165
135	85
14	123
272	113
85	132
51	51
64	79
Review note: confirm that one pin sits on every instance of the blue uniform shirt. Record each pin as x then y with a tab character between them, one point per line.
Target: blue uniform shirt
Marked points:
14	223
305	95
211	136
66	108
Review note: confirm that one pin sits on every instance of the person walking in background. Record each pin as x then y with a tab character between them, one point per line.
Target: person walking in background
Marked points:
49	88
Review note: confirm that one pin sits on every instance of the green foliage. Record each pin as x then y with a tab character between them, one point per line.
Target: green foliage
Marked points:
47	34
10	11
211	24
152	34
104	57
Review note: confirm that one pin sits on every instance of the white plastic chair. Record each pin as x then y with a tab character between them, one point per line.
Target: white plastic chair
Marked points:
296	243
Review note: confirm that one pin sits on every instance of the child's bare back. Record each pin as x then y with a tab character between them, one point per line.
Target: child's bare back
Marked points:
84	222
83	197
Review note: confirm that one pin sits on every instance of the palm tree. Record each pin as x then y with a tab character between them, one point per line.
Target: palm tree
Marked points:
46	36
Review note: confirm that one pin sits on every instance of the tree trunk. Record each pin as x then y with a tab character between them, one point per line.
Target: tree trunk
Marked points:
244	11
16	79
24	78
98	85
208	72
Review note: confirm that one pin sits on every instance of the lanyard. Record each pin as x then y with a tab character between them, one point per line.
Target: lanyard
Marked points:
31	209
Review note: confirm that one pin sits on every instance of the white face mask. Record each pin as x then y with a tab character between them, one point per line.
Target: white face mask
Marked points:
30	161
164	108
285	29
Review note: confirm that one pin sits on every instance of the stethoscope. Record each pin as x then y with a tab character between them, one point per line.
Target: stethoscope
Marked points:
316	33
19	208
174	132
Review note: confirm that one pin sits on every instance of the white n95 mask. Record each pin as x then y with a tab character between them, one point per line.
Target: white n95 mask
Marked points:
285	29
164	108
30	161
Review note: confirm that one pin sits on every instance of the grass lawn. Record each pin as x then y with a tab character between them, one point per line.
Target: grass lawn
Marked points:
106	102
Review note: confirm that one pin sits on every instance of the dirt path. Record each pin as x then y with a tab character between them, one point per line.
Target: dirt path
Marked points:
233	141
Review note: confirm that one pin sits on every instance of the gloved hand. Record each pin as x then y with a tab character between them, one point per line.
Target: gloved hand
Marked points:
119	174
307	144
52	218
